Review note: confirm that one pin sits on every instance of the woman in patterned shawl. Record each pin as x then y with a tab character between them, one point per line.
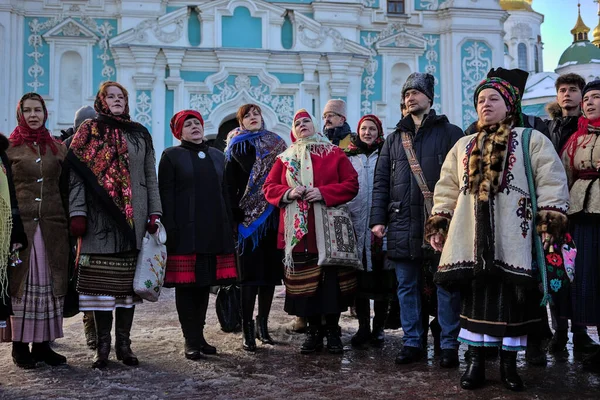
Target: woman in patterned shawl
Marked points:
311	170
250	154
113	200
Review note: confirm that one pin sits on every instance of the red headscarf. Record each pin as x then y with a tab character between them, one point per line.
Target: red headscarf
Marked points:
24	134
301	113
178	119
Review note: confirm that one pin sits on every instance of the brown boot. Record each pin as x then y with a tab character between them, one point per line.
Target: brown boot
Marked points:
89	328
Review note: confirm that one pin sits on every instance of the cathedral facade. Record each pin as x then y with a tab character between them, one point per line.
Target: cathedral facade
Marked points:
215	55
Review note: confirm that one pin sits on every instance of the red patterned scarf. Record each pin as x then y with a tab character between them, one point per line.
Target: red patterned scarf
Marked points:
23	134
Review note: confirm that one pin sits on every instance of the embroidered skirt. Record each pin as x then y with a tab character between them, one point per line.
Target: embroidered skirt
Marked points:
500	309
313	290
38	314
190	270
105	281
585	289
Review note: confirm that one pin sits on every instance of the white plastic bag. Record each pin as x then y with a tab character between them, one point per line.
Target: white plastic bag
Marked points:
151	263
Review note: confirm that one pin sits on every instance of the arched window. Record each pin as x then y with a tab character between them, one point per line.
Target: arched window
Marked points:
505	49
536	59
522	54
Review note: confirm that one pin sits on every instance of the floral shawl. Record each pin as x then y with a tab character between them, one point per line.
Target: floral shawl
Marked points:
99	153
299	172
257	210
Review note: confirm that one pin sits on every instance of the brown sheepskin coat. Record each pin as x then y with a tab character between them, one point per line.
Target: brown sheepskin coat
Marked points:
40	180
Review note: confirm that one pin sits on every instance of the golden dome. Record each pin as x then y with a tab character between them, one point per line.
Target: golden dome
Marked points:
596	40
580	31
513	5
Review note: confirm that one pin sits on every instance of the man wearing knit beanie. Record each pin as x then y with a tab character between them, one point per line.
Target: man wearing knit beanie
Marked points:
335	126
85	112
398	204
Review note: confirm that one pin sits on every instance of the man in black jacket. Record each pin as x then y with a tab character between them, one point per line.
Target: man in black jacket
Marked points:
398	205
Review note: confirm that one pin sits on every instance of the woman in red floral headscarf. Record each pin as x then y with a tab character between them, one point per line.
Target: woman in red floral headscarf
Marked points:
38	285
113	201
199	228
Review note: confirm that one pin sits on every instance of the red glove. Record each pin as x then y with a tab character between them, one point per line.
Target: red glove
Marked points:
151	226
78	226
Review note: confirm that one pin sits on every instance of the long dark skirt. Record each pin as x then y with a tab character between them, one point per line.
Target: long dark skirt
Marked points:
585	289
263	265
499	309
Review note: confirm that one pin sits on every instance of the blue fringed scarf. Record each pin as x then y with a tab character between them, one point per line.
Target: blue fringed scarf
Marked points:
257	210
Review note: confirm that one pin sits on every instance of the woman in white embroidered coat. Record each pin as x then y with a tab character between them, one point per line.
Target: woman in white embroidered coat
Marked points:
482	222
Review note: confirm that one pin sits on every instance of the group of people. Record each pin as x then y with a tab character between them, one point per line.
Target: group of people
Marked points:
430	206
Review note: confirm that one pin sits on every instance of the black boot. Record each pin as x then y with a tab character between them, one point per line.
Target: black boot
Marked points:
508	371
21	355
436	332
558	343
334	339
583	343
592	362
380	308
393	316
474	376
363	334
186	311
43	352
249	335
124	320
89	328
262	330
313	340
103	321
201	307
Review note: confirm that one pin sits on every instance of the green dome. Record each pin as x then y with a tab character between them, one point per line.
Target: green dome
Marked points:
580	53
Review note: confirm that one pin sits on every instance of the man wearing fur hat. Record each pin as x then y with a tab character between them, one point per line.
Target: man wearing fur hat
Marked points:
399	206
335	126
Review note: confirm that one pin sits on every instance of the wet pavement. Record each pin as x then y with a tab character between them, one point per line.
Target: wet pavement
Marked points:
273	372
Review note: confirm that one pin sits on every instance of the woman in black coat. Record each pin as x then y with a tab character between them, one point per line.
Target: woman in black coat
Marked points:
196	218
251	152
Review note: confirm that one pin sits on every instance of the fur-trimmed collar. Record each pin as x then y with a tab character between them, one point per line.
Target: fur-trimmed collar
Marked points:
553	110
486	160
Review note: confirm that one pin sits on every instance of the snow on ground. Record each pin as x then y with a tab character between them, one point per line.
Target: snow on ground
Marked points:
273	372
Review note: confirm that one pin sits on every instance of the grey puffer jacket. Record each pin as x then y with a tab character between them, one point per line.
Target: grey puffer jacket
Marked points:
360	206
397	199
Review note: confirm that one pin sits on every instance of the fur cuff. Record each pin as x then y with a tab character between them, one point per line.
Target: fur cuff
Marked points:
437	224
553	222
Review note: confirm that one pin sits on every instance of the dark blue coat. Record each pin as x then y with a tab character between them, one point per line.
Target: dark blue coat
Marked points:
397	199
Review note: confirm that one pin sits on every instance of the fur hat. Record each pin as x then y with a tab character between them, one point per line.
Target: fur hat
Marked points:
424	83
593	85
516	77
337	106
85	112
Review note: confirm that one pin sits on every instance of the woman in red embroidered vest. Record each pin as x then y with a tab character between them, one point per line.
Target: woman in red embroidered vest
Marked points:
38	285
113	200
250	155
311	170
196	217
482	219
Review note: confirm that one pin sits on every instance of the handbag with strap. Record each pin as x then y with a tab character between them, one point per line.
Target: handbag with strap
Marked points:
336	241
151	264
556	269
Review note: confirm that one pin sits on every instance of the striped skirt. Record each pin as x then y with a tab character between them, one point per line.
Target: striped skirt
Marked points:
105	281
38	314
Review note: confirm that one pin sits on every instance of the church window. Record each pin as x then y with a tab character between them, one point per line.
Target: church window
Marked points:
522	54
287	33
536	59
505	49
395	6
